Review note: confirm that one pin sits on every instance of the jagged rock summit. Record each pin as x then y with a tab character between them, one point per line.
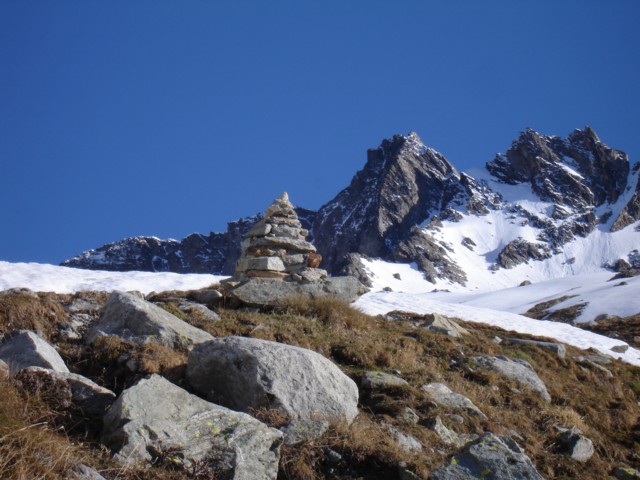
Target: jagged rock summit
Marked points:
277	263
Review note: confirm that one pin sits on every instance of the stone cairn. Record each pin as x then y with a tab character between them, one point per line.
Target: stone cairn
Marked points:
276	247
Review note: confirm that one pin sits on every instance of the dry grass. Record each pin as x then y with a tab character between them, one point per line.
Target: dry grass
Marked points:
20	311
606	409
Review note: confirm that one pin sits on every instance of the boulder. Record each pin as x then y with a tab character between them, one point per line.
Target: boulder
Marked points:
558	348
244	373
197	308
265	292
24	349
443	395
157	419
84	394
303	431
573	443
448	436
381	381
517	370
491	457
440	324
136	320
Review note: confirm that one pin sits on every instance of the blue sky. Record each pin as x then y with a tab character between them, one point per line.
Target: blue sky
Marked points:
164	118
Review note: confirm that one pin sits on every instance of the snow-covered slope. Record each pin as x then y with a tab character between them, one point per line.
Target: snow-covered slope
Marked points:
50	278
384	302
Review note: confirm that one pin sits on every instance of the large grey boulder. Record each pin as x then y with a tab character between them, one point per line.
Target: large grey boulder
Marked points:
134	319
491	457
518	370
265	292
85	395
24	349
244	373
156	418
443	395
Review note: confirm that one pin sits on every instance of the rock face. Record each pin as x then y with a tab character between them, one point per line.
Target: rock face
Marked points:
491	457
155	418
244	373
277	263
134	319
26	349
517	370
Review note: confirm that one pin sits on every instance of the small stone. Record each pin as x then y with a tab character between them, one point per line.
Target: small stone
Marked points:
260	229
620	348
441	324
266	274
313	275
260	263
381	380
303	431
409	416
448	436
443	395
333	456
313	260
559	349
579	447
405	441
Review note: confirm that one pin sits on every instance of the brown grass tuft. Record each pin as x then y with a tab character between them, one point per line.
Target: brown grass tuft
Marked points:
20	311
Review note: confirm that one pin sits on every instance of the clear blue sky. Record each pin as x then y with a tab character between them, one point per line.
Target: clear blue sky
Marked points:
163	118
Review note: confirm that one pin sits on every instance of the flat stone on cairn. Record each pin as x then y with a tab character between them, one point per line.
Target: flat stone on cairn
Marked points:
277	263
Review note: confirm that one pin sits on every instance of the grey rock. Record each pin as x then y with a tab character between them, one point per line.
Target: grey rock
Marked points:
517	370
265	292
4	369
24	349
260	229
626	473
295	259
290	244
86	395
84	472
208	296
491	457
408	416
406	442
274	264
381	380
297	432
191	307
244	373
558	348
448	436
286	231
440	324
579	447
155	418
443	395
620	348
333	456
313	275
136	320
520	251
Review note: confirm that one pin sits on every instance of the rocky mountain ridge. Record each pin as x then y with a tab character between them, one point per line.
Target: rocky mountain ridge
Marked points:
542	194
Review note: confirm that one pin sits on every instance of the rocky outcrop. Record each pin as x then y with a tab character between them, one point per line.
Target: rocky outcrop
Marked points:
24	349
520	251
130	317
155	419
491	457
517	370
631	211
245	373
401	185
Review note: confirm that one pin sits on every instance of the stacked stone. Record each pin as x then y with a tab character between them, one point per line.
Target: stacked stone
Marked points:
276	247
